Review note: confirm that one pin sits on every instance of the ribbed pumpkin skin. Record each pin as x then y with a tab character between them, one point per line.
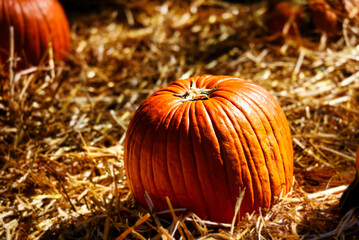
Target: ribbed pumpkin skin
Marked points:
200	153
35	23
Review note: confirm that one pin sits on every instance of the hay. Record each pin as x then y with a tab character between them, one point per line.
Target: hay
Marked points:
62	129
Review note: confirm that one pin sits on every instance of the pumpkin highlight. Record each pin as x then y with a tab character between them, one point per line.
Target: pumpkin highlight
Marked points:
36	23
200	140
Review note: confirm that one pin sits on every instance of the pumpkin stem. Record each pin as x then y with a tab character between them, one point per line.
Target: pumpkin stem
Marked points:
194	93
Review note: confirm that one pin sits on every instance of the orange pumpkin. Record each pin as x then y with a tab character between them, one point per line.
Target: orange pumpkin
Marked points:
350	196
303	15
279	14
200	140
323	16
36	23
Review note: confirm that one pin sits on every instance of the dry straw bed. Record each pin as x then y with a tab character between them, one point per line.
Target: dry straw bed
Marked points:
62	126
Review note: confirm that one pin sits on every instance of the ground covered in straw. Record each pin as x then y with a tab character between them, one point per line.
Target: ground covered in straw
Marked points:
62	129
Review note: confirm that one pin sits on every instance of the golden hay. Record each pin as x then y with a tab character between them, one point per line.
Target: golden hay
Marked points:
62	128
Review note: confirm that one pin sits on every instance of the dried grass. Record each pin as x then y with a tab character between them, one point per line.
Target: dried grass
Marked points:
62	130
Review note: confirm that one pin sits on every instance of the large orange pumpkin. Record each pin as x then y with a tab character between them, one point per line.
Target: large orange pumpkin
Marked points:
350	197
200	140
35	23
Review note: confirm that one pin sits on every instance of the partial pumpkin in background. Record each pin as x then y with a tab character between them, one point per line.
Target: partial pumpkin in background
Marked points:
350	198
303	17
36	23
202	140
324	18
285	17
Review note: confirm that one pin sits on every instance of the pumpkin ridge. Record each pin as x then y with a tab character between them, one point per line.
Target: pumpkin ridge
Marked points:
273	155
18	21
276	107
60	42
178	138
171	112
64	39
1	11
130	145
5	9
157	171
17	34
22	41
283	145
146	169
44	35
241	154
229	120
281	133
286	145
264	177
253	174
32	33
222	190
278	155
140	174
5	44
275	179
195	137
219	79
198	140
183	142
146	166
2	14
209	106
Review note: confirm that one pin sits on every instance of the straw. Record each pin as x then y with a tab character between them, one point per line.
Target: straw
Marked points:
61	148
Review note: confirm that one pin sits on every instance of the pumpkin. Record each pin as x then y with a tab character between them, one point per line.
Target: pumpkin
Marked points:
350	196
202	141
36	23
302	17
323	16
279	14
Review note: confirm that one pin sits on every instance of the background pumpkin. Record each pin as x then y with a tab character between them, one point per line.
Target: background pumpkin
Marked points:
35	23
320	16
200	140
281	13
350	197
